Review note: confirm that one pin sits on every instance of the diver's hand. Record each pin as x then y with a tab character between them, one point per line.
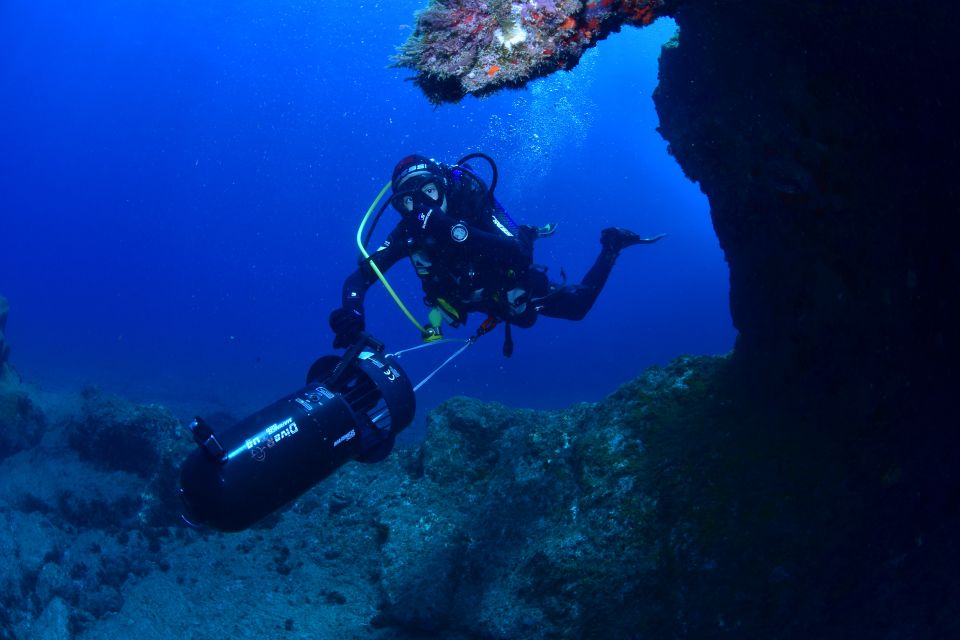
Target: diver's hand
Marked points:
347	324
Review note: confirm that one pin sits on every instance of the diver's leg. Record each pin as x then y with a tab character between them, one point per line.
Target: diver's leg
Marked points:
572	302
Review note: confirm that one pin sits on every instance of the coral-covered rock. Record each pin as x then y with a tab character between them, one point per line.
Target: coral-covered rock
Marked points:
53	623
145	440
73	533
462	47
117	434
537	525
29	543
22	422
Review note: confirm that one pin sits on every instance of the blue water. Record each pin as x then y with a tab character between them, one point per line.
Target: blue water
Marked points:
181	182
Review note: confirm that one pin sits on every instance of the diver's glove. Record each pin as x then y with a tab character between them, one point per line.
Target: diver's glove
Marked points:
347	324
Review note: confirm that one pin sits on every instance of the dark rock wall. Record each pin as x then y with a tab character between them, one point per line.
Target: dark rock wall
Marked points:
826	139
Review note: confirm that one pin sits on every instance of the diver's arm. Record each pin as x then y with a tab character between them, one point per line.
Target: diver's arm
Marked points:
356	285
452	233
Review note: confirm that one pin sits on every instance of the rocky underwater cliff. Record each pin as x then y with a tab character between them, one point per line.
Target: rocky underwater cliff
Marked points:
669	509
805	486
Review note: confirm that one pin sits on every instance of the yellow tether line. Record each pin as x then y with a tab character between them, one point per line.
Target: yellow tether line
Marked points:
376	269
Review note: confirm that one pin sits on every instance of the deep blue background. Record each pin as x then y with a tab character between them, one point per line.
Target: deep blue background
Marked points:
180	185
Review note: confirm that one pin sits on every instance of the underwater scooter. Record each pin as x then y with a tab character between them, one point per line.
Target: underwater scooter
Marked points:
352	408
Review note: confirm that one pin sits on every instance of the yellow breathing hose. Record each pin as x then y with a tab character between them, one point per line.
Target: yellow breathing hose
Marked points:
386	285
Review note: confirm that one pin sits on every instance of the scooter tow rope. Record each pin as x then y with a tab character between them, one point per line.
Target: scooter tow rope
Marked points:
466	342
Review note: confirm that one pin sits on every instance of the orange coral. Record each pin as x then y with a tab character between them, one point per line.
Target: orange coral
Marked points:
492	71
642	13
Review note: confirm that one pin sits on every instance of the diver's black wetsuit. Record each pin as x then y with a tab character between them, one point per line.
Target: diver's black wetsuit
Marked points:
475	257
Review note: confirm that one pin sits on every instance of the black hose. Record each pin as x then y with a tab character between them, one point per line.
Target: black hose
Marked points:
493	167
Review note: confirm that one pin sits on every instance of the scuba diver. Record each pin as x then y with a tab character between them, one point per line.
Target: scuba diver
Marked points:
470	255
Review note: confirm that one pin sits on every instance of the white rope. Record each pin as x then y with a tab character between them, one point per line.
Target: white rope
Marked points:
445	362
397	354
